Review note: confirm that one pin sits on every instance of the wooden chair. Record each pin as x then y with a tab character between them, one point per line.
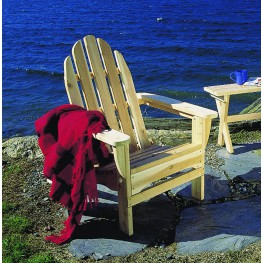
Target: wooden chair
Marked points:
103	82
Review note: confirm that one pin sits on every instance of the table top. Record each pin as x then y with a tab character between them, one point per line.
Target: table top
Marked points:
231	89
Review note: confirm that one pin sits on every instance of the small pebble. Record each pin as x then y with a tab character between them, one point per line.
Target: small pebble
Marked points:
47	209
169	256
49	228
97	256
244	189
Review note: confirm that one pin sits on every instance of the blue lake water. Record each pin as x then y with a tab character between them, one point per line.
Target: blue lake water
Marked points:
172	47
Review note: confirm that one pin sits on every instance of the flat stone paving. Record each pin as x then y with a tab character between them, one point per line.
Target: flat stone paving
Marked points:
230	225
219	227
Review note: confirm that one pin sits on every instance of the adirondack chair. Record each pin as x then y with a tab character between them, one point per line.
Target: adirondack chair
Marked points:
141	170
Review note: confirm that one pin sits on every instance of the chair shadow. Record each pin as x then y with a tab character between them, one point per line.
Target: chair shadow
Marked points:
108	196
244	148
150	218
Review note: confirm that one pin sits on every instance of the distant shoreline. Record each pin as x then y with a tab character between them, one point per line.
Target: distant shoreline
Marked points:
184	125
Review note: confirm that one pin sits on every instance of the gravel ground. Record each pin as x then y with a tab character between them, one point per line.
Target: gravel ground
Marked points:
27	188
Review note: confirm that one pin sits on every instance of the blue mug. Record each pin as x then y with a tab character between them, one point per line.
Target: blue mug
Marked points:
240	76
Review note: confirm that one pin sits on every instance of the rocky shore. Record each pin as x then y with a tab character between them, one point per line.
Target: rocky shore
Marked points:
25	187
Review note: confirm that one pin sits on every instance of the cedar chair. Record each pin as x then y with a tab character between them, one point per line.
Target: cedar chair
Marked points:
140	170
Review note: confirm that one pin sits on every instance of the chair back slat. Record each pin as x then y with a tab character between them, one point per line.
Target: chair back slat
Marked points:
107	85
132	100
100	81
117	91
71	83
84	77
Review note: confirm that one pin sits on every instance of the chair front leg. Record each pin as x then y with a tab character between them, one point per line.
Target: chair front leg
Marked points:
122	159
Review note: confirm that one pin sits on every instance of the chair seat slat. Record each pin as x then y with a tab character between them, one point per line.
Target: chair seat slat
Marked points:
144	159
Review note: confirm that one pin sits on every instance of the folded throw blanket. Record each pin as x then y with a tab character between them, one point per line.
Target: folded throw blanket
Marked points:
70	151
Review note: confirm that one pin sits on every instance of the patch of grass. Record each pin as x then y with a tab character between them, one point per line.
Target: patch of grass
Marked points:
8	207
41	258
246	136
257	152
15	245
16	224
12	169
15	249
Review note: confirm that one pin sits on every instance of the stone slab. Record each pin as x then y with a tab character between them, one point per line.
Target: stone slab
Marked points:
219	243
219	227
244	162
102	248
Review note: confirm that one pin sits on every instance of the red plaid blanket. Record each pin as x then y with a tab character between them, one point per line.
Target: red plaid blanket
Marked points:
65	138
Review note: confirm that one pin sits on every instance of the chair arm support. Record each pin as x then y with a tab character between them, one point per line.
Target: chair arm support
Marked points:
113	137
120	144
175	106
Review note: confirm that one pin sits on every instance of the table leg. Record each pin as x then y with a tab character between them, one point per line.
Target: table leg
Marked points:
223	133
220	109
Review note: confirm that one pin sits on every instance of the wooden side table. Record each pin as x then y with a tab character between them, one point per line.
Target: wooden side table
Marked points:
221	94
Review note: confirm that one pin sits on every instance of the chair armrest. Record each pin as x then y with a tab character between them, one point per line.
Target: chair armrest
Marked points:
175	106
120	143
113	137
